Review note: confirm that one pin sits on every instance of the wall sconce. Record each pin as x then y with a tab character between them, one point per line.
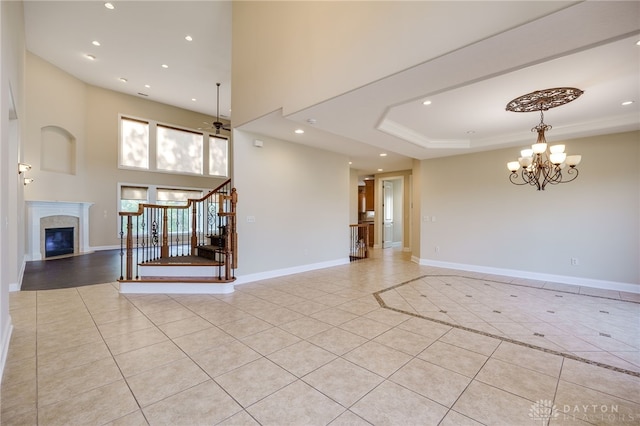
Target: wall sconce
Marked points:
23	167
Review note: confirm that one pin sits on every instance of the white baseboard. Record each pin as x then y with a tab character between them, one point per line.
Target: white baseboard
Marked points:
564	279
102	248
176	288
243	279
18	285
5	338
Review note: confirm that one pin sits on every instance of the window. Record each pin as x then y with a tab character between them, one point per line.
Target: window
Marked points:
131	197
177	197
218	156
179	150
134	143
152	146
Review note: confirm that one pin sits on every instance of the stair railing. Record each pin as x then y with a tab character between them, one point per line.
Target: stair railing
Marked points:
157	232
359	241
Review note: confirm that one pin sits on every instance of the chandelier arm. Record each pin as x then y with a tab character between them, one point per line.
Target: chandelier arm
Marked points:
550	173
538	173
571	171
513	177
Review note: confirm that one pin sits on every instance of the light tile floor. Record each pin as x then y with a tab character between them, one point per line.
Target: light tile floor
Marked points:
382	341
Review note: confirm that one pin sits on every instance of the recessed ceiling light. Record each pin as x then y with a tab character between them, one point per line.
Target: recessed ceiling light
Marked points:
188	38
95	43
124	80
380	170
193	99
426	102
93	58
299	131
638	43
350	162
625	103
384	154
165	66
147	86
109	6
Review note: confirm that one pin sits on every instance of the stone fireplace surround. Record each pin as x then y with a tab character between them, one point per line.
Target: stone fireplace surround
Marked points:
54	214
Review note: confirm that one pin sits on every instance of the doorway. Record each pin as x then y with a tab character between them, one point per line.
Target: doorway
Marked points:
392	212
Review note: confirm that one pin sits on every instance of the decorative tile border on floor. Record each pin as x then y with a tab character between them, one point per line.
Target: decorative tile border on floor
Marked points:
383	304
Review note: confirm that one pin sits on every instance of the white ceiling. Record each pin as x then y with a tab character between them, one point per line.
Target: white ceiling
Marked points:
136	38
590	45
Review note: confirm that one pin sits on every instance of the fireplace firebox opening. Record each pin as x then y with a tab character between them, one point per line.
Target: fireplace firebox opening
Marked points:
58	241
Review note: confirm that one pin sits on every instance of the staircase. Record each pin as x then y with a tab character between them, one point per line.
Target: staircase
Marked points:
190	249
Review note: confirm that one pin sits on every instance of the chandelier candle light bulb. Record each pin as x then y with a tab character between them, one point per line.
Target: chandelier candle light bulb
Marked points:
539	166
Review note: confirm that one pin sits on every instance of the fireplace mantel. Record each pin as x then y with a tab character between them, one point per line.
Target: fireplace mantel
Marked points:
36	210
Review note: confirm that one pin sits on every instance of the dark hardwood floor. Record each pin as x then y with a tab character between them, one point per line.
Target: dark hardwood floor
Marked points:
74	271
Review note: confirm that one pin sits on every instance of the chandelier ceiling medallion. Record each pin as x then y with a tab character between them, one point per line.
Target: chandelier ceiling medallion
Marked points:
539	166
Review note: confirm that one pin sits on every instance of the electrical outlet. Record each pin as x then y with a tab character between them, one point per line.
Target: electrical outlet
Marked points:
437	249
574	261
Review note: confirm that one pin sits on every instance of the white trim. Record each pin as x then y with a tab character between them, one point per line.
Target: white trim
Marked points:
178	270
102	248
564	279
36	210
5	338
176	288
289	271
18	285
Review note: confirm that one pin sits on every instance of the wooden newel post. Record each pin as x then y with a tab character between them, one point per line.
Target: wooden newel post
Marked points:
164	250
234	234
194	226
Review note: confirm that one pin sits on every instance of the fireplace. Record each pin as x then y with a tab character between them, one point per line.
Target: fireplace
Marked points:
43	215
58	241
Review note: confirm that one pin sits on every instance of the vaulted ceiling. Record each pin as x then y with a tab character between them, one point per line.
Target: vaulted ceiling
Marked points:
589	45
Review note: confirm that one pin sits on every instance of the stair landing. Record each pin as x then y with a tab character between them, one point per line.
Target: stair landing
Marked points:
179	275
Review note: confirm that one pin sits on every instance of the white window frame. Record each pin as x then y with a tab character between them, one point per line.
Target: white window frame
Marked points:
153	143
152	195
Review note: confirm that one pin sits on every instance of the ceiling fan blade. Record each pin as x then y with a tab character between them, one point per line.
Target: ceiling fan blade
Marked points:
217	124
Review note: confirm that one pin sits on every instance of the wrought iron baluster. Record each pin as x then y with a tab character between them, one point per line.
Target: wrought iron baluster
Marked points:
121	247
137	251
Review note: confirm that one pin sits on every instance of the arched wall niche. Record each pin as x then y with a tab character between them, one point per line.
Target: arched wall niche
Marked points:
58	153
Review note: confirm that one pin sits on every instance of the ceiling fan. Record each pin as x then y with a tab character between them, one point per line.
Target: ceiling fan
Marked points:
217	125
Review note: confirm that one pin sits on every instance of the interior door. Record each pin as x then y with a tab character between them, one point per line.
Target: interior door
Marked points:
387	216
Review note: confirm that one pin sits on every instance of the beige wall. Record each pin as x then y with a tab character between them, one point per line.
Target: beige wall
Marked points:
293	206
483	220
90	114
293	54
12	120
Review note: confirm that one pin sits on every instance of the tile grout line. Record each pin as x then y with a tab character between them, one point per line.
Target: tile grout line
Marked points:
196	363
507	339
114	358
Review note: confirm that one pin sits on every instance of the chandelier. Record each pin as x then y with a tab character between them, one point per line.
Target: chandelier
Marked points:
537	165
